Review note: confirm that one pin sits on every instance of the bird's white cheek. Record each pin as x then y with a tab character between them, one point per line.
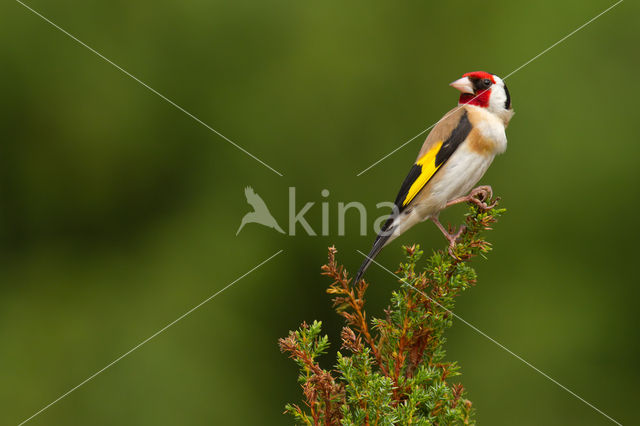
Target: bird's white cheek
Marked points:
497	100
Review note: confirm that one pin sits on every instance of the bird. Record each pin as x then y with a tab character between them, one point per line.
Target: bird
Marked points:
454	157
260	213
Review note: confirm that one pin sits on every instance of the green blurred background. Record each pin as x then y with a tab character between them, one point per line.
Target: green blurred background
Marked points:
119	212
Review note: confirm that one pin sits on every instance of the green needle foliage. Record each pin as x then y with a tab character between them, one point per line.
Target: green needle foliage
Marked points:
393	369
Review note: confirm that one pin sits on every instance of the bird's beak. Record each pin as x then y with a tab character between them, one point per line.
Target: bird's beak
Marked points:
463	84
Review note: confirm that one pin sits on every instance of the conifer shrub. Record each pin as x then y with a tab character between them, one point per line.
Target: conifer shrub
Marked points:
392	370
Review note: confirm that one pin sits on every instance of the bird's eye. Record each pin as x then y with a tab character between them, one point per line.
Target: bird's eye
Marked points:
486	82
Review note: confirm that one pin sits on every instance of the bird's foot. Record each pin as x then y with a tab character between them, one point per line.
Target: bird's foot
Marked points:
453	240
452	236
479	196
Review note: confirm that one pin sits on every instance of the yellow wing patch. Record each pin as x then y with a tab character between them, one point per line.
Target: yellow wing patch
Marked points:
428	165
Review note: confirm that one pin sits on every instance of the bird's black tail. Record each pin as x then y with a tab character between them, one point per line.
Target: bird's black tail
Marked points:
378	244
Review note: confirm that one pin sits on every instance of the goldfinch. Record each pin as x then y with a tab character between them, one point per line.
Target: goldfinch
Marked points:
453	158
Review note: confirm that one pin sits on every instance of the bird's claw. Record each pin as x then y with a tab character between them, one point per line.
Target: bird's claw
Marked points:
450	236
453	240
480	195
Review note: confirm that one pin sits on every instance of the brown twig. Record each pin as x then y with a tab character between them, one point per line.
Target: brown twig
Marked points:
348	296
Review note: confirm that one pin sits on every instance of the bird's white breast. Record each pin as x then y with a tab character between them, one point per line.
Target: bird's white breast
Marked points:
491	127
461	173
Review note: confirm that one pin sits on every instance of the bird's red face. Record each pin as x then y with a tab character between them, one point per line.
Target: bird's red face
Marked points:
475	87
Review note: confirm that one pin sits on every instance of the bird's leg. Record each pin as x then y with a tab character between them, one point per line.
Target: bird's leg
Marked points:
452	238
478	196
